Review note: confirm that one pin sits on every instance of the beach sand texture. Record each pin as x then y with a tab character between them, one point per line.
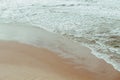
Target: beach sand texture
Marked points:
24	62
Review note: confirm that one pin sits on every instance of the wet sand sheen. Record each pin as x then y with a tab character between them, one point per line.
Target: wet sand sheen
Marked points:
24	62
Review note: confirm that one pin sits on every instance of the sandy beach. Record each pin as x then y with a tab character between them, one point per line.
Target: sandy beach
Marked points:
52	57
24	62
59	39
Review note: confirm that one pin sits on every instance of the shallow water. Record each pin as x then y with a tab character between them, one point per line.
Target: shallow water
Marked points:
38	37
93	23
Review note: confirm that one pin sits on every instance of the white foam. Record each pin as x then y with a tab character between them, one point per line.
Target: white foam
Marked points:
105	57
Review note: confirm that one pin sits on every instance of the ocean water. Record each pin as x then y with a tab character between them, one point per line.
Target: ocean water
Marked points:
94	23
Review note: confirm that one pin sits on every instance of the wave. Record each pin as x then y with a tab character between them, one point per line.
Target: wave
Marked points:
94	23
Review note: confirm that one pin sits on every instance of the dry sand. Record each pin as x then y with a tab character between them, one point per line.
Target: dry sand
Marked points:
24	62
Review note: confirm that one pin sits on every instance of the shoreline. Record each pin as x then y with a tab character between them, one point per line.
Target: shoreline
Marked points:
22	61
65	60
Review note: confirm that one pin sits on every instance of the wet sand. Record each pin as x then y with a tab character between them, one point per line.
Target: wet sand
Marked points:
24	62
